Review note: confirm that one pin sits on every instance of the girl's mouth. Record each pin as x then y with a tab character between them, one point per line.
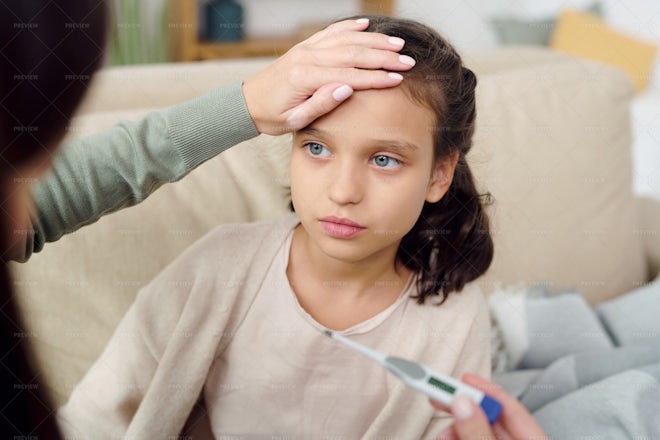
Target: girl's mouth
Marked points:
341	227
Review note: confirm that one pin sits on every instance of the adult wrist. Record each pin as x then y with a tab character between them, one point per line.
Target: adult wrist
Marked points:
253	106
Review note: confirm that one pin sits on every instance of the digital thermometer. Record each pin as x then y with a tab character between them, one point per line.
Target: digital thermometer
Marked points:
437	386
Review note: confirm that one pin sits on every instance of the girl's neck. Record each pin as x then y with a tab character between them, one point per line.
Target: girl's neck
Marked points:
340	294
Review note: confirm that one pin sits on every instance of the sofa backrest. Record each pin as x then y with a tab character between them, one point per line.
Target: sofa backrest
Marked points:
552	146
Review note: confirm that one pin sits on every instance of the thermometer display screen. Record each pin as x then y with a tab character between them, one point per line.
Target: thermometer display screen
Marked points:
443	386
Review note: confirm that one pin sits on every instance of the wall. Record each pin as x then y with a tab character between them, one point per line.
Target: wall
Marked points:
277	17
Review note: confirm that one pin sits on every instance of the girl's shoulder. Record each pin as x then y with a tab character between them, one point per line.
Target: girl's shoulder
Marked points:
249	233
452	337
469	302
471	293
237	239
226	253
222	271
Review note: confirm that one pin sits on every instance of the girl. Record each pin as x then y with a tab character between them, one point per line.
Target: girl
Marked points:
45	69
385	210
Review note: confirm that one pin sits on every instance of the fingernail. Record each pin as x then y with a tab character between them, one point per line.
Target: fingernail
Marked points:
342	93
395	75
405	59
362	20
461	408
396	41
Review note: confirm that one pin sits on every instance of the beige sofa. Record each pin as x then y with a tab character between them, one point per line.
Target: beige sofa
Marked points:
552	146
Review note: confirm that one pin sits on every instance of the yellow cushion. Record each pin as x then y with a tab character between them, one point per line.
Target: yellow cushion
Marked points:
587	36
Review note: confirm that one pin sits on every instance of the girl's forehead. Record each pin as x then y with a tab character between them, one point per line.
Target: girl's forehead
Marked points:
385	114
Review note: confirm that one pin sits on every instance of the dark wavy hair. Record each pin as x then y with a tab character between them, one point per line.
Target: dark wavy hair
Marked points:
450	245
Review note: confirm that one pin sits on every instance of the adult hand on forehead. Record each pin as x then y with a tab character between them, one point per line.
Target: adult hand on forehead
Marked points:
316	75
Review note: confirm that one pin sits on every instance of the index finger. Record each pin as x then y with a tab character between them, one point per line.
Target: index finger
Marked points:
359	24
350	33
469	421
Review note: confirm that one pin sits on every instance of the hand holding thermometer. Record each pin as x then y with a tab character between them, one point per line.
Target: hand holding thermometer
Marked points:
435	385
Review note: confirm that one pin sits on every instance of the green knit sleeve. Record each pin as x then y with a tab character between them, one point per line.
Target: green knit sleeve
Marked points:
122	166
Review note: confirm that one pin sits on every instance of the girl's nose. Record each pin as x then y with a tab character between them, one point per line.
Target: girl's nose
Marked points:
346	185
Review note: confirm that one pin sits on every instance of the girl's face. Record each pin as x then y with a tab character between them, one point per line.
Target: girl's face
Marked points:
361	174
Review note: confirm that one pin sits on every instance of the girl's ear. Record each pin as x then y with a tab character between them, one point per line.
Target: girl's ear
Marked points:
442	176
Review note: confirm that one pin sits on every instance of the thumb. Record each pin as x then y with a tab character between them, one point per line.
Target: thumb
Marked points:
469	421
325	99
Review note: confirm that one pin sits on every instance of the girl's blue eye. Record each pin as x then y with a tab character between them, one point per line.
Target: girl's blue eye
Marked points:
383	161
316	149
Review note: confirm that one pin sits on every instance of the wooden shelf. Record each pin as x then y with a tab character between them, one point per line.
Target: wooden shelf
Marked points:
187	46
262	47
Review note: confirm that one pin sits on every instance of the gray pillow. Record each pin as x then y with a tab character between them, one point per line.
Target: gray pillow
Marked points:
558	326
512	30
634	317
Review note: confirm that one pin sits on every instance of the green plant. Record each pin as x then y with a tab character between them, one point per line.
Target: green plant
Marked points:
138	32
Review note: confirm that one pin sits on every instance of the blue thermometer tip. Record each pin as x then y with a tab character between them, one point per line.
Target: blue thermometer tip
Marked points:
491	407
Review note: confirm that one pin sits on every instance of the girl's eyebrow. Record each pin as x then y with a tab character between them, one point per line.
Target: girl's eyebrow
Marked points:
397	146
309	130
389	144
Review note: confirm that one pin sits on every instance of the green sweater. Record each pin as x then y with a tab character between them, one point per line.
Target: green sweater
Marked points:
122	166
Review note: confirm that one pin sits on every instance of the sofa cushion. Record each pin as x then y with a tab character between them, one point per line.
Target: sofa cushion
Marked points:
117	89
552	145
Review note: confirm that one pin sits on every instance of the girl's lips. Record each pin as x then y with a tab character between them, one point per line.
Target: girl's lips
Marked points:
340	227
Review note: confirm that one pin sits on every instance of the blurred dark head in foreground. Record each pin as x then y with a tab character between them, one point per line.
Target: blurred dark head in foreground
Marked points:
48	53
